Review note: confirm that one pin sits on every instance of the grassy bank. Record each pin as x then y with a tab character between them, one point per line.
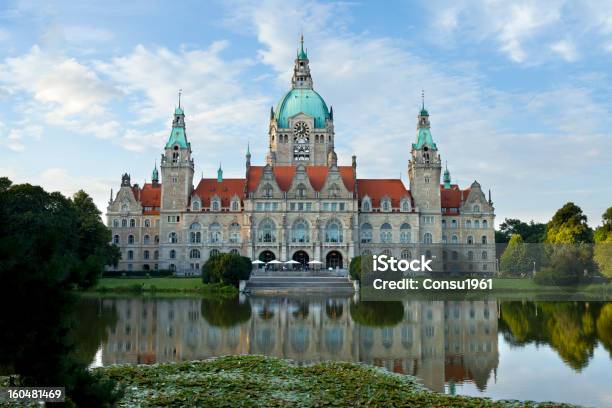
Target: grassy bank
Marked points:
160	285
264	381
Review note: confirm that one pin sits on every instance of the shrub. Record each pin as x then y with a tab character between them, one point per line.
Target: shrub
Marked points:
228	269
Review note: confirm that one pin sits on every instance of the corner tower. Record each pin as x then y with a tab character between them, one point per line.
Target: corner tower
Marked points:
301	127
177	167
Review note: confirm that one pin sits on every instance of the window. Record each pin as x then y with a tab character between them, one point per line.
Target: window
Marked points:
405	234
124	223
406	254
147	223
300	192
470	239
405	205
147	239
214	252
366	233
116	240
386	252
476	208
444	239
130	254
172	254
386	233
483	239
476	224
115	223
215	233
195	205
172	238
334	191
215	204
132	223
266	231
454	255
484	267
124	207
299	232
234	231
234	251
366	204
195	235
427	238
470	256
443	223
453	223
130	239
267	191
145	254
429	219
454	239
156	254
156	239
485	225
194	254
235	205
173	218
333	231
468	224
385	205
484	255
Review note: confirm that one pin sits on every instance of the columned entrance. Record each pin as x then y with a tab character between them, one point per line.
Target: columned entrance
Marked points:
301	257
333	260
267	256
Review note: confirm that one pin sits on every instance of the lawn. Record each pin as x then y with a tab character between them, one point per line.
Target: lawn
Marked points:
163	284
247	381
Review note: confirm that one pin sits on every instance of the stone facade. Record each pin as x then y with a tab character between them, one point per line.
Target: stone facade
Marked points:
301	205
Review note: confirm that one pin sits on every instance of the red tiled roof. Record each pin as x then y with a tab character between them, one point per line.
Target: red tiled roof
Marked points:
284	176
376	189
451	198
225	190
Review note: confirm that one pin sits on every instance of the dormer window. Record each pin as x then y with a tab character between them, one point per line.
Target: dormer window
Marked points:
405	205
366	204
195	205
235	205
385	205
215	204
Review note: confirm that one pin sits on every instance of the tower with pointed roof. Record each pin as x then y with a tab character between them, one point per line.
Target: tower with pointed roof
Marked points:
301	127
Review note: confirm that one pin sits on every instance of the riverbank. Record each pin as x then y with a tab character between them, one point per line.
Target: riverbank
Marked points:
161	285
265	381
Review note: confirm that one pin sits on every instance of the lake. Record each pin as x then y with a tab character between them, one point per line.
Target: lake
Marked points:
558	351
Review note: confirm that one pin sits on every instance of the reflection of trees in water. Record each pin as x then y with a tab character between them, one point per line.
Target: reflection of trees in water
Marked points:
377	314
94	320
568	327
334	308
604	327
225	312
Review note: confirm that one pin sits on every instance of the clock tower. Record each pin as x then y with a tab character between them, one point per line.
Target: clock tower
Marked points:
301	127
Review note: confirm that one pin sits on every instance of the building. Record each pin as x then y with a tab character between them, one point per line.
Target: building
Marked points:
301	204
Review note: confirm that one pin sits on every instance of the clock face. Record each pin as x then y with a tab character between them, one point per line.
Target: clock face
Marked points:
300	131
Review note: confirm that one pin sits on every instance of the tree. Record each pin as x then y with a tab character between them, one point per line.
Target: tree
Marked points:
531	232
514	260
355	268
228	269
568	226
602	252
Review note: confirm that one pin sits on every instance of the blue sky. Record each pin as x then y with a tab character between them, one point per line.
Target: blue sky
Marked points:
519	93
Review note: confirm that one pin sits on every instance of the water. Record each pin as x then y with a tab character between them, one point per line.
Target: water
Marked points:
559	351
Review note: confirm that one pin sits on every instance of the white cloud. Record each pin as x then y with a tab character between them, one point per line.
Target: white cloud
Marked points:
60	179
565	49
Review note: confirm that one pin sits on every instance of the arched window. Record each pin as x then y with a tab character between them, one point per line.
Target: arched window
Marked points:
453	223
470	255
267	191
156	239
116	240
406	254
476	224
172	238
145	254
476	208
115	223
172	267
443	223
130	254
130	239
333	231
385	205
215	204
299	232
132	223
366	204
195	205
427	238
147	223
470	239
454	239
366	233
484	255
172	254
234	231
300	191
215	233
156	254
124	223
405	205
195	235
214	252
386	233
483	239
266	231
235	205
405	234
146	239
485	225
194	254
468	224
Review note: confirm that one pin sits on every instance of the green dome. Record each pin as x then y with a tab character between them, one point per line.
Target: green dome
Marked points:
304	101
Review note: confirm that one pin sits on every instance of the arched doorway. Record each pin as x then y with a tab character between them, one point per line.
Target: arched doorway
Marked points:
333	260
301	257
267	256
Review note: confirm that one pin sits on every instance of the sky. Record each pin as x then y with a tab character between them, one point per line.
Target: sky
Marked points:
519	93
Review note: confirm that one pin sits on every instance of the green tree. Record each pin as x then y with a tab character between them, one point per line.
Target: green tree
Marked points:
568	226
225	312
531	232
355	268
514	261
602	252
228	269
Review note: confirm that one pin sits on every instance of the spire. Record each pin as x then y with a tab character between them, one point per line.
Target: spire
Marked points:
302	54
447	178
248	155
219	174
301	70
178	135
180	92
423	132
423	110
490	202
111	198
155	175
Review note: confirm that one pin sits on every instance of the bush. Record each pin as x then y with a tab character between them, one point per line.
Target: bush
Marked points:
228	269
139	274
551	277
355	268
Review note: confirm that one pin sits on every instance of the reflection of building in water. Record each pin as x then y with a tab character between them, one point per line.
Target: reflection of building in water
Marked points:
435	341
